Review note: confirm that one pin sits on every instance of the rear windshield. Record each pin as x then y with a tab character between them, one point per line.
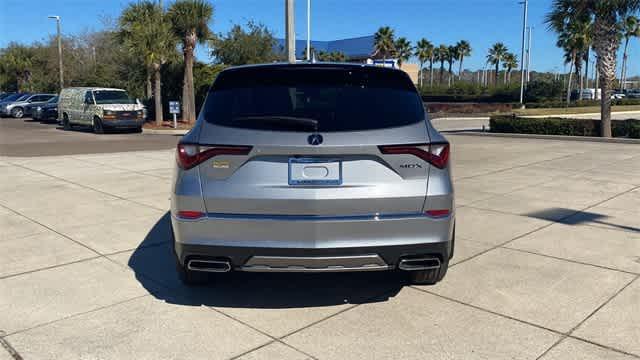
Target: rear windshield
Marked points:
112	97
324	99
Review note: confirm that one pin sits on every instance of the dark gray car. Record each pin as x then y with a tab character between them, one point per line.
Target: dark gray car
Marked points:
313	168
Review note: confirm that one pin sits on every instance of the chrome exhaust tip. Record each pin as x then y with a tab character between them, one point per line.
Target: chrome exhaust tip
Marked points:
422	263
209	265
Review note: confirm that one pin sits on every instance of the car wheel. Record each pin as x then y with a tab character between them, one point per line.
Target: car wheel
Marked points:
17	112
453	242
429	277
97	126
188	277
65	122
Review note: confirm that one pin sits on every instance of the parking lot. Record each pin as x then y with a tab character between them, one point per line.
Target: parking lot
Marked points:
546	265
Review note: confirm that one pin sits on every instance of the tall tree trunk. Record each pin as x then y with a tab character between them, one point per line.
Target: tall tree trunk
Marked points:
450	74
420	73
149	91
441	71
460	67
431	72
570	80
623	70
579	79
188	97
606	43
157	96
586	67
497	69
505	78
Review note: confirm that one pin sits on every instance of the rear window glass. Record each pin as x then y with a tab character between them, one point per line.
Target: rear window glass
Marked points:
324	99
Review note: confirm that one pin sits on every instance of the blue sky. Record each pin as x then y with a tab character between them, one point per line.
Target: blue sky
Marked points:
481	22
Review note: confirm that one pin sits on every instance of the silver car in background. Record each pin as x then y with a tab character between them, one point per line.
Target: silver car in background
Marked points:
24	105
313	168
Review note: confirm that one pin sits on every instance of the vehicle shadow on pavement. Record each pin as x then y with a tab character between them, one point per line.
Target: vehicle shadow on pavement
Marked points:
576	217
153	262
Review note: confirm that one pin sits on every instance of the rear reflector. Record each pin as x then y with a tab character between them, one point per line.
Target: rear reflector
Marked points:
437	212
190	214
436	154
190	155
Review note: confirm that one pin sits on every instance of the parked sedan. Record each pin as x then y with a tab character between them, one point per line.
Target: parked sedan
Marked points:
47	111
24	104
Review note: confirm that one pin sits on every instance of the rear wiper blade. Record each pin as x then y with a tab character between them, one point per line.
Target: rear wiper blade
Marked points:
284	120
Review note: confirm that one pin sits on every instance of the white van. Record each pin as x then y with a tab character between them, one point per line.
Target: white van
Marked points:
100	108
590	94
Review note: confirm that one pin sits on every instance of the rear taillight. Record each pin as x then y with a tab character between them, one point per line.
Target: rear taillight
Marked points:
190	214
437	213
436	154
190	155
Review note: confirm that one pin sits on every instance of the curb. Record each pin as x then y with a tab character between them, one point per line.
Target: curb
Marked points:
164	132
583	114
547	137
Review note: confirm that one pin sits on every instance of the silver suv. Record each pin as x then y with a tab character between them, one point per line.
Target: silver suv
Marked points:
313	168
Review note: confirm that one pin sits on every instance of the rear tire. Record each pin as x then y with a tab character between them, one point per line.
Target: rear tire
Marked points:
65	122
97	126
429	277
189	277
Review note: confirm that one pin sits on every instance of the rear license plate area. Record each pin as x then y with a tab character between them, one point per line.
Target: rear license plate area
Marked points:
314	171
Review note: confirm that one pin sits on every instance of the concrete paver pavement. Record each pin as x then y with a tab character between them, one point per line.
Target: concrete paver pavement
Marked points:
545	266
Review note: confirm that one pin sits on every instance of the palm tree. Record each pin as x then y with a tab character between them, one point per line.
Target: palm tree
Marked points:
145	30
574	38
441	54
384	42
510	62
631	28
424	53
190	19
464	50
403	50
607	17
452	56
496	54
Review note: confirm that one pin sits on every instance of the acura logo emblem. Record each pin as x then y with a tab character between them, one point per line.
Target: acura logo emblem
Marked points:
315	139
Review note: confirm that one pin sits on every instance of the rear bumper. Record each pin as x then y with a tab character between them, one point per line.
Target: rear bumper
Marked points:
239	239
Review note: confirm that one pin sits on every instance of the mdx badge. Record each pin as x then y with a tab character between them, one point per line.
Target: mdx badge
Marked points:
411	166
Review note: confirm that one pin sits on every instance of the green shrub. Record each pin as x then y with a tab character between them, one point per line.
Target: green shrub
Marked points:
561	126
539	91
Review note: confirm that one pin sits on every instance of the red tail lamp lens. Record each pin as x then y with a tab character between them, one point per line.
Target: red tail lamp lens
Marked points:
190	214
436	154
190	155
437	212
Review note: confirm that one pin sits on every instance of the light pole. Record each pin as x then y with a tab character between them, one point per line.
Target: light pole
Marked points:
529	52
59	49
524	31
308	30
290	31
